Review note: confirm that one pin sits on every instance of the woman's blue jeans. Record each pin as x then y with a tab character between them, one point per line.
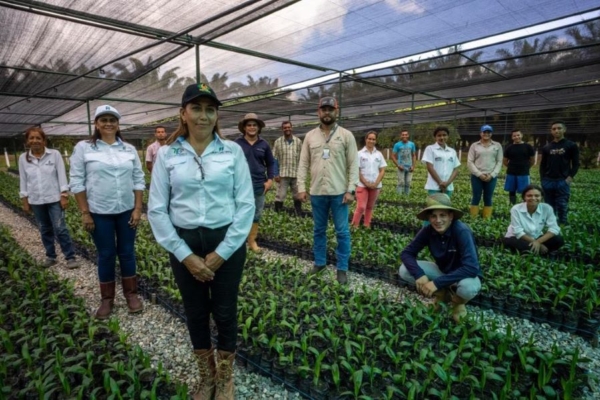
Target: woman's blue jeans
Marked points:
487	188
114	237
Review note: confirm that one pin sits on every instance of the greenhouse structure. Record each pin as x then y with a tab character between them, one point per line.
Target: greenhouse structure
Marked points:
532	330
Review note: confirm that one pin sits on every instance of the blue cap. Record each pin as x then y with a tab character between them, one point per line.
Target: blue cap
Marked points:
486	128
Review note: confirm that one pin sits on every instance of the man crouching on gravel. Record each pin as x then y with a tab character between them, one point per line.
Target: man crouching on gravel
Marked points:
455	274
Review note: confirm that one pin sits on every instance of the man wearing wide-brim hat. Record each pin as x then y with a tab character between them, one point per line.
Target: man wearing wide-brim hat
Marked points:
262	167
455	273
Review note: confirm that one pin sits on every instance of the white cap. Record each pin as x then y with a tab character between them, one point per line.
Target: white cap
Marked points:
106	109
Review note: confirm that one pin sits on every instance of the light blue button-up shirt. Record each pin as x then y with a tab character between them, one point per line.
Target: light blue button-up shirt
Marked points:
209	191
42	180
108	174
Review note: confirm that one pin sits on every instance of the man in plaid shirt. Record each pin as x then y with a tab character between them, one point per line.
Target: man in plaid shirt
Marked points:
286	151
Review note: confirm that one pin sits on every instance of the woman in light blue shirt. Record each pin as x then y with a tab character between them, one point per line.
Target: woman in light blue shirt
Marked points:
201	208
107	180
529	220
44	191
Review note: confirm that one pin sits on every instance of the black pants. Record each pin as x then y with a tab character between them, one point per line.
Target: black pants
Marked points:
520	245
218	296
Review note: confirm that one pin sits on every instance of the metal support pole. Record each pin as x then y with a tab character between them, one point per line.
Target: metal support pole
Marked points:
198	63
340	99
412	111
505	128
89	118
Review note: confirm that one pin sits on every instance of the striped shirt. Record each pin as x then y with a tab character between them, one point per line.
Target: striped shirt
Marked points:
287	155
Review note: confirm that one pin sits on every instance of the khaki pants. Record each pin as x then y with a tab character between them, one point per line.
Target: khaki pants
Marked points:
282	188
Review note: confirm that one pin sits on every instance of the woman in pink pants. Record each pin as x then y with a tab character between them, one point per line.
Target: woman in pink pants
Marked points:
371	169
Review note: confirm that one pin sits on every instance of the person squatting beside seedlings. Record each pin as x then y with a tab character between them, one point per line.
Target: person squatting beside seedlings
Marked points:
371	164
262	167
455	274
528	220
108	181
200	209
44	190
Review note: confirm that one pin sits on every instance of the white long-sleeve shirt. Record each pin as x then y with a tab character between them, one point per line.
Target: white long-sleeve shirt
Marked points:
42	180
108	174
522	223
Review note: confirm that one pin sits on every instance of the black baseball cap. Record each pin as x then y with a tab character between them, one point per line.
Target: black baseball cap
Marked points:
328	101
197	90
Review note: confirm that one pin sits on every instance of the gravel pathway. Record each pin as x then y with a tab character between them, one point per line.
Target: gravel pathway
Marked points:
166	340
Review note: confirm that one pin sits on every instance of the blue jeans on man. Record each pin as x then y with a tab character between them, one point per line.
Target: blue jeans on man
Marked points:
114	237
556	194
51	220
321	205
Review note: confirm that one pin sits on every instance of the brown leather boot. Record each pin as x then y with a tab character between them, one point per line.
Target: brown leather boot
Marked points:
130	294
224	378
459	310
252	238
207	368
441	296
107	291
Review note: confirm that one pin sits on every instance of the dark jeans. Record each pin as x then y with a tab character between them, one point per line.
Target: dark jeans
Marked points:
51	221
218	296
107	227
520	245
487	188
557	193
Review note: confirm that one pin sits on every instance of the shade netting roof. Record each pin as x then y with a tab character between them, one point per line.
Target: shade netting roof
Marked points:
60	59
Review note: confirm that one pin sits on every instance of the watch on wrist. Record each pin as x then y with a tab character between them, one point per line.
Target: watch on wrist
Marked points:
352	192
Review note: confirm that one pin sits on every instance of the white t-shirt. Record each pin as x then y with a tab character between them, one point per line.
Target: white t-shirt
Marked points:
369	165
444	161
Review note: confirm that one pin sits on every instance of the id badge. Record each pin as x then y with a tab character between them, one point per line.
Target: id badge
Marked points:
325	153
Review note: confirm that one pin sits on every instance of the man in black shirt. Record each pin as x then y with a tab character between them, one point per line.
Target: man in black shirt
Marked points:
560	163
518	158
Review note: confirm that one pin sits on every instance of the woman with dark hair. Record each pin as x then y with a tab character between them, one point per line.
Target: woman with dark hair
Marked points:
370	173
442	164
201	208
44	191
484	161
528	220
107	180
